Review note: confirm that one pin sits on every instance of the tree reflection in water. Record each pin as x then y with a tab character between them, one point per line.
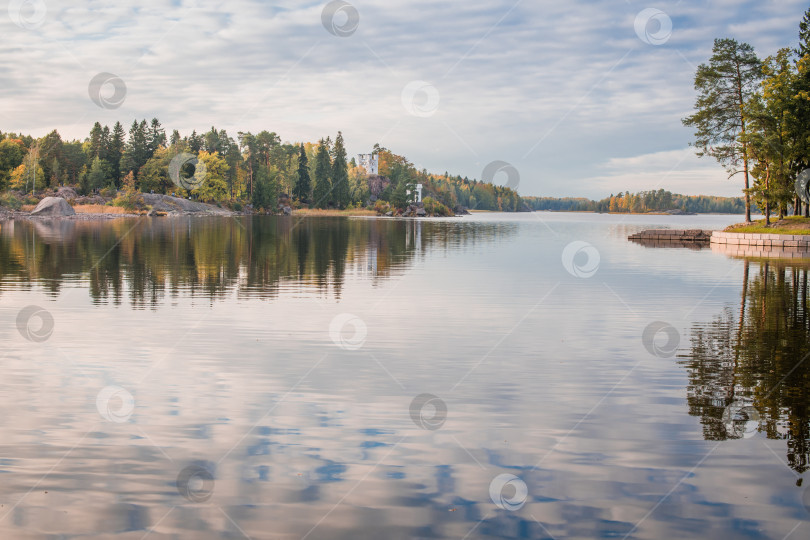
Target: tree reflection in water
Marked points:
150	259
749	369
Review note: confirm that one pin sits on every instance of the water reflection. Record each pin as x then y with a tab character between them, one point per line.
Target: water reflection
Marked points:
148	259
749	373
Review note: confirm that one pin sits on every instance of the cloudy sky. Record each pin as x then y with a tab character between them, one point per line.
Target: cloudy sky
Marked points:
582	98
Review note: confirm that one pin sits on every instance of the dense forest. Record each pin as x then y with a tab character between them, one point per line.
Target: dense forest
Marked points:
644	201
214	167
753	117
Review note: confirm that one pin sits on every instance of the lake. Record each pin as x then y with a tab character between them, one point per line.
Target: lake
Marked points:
491	376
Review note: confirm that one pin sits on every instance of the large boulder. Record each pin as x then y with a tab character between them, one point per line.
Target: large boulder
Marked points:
53	207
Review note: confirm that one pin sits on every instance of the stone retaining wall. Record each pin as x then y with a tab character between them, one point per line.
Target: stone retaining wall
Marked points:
673	235
783	246
781	241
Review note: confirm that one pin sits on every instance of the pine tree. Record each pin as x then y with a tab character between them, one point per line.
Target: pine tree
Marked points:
136	152
116	151
156	137
303	186
323	184
340	174
96	139
724	86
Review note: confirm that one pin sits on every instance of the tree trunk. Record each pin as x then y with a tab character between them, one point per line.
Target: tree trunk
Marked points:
797	206
744	144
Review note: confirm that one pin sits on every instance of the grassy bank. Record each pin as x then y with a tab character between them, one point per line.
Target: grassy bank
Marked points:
788	225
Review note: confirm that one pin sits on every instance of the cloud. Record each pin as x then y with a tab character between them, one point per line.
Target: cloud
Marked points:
557	89
680	171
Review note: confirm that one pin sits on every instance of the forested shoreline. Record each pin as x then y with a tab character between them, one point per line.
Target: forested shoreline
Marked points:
642	202
250	171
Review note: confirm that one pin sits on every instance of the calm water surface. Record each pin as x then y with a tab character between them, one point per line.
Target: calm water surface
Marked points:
492	376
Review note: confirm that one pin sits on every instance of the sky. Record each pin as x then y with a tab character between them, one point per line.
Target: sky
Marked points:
579	98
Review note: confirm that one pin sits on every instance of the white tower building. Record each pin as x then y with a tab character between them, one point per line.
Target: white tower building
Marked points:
370	162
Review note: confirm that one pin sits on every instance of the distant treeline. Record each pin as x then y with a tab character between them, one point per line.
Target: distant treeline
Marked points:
643	201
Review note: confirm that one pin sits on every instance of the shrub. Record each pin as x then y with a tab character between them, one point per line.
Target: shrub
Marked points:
10	201
237	206
435	208
381	207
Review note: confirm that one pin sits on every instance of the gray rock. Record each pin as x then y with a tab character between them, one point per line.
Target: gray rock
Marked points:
67	193
421	212
287	211
389	214
53	207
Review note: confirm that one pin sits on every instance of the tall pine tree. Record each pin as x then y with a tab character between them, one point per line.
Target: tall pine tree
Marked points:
303	185
340	174
724	86
323	184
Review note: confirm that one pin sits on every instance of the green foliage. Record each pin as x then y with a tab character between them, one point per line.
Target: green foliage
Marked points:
303	187
214	188
154	175
724	86
340	174
129	198
253	169
9	200
12	153
381	207
323	183
265	192
435	208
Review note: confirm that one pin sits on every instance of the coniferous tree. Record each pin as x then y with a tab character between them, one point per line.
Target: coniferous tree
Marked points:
340	174
323	184
96	141
136	152
724	86
303	186
156	137
116	151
